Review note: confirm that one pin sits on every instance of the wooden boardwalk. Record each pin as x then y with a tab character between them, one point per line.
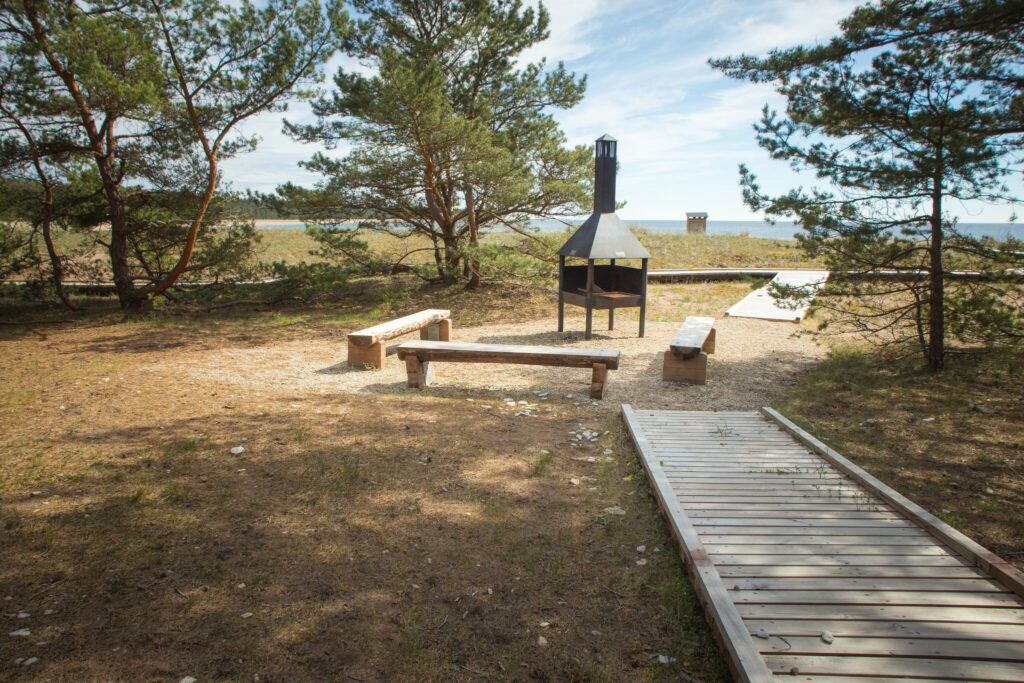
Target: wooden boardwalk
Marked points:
810	569
760	303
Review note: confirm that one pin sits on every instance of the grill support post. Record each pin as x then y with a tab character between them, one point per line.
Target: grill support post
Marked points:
561	293
643	300
590	297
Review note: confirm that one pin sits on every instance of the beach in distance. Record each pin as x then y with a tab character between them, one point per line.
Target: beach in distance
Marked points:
783	230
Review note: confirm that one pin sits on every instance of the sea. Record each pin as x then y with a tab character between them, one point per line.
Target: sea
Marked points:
781	230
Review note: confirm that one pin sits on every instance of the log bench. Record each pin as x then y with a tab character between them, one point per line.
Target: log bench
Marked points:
366	348
686	359
418	356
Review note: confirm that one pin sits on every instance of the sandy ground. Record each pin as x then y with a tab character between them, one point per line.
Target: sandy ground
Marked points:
754	361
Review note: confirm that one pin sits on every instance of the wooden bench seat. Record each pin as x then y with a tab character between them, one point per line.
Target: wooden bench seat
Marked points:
366	348
419	354
686	359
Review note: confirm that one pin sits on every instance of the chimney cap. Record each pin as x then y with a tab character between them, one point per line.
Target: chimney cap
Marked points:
606	138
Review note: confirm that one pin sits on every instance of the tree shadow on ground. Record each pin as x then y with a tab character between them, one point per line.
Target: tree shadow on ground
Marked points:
411	539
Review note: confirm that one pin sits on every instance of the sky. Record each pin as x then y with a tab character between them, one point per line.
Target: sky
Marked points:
683	128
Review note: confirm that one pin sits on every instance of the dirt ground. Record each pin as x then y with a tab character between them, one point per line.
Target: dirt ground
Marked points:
230	501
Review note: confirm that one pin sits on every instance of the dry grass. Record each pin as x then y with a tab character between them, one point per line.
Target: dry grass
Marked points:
361	535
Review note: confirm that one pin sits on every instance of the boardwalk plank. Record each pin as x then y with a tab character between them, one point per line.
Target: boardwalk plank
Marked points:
897	647
872	583
851	628
947	669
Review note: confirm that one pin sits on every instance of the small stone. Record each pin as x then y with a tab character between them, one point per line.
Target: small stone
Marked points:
545	624
607	451
21	633
869	421
240	586
591	459
542	641
188	679
246	615
641	562
989	491
761	633
928	419
945	511
48	611
23	615
238	450
614	510
827	637
665	659
595	632
523	403
30	661
641	548
574	481
544	451
568	396
485	406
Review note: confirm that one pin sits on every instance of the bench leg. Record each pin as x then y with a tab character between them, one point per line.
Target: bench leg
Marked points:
709	343
440	331
418	373
611	318
598	380
372	357
689	370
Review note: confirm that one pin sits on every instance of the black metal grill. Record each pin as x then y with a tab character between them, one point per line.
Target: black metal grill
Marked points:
602	236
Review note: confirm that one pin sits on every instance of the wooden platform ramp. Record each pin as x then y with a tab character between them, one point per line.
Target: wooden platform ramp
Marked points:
810	569
760	304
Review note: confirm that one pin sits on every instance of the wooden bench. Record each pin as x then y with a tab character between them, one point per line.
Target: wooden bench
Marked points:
686	359
366	348
419	354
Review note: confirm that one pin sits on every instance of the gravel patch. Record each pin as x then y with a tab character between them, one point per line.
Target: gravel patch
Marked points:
754	362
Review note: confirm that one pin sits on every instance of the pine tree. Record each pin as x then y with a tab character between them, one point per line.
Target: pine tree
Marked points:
150	94
899	127
451	137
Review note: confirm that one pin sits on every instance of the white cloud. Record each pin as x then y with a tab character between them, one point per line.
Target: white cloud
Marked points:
572	23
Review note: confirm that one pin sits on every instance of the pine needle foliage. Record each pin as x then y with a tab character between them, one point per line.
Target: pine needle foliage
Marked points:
447	135
914	107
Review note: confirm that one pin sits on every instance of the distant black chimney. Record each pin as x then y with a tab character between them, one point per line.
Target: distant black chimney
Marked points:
604	174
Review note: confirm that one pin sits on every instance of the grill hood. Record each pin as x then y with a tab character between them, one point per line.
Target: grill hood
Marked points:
603	235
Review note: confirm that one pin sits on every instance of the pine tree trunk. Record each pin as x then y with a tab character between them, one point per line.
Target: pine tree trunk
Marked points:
936	320
474	240
123	284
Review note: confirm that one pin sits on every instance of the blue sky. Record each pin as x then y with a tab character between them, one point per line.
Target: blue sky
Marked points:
682	127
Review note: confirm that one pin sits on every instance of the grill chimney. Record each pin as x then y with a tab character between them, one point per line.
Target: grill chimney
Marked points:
604	174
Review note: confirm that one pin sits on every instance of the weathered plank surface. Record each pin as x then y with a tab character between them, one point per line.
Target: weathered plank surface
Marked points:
760	304
697	334
833	575
364	339
419	354
465	352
